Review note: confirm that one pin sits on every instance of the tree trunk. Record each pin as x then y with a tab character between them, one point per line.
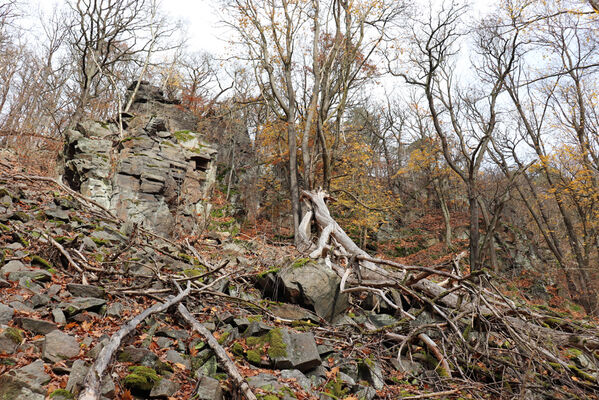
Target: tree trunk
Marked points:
445	211
474	229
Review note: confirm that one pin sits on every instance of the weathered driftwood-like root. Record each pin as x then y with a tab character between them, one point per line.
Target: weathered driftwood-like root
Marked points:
481	336
91	384
222	356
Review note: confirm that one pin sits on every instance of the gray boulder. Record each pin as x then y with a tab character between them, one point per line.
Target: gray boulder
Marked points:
31	377
79	290
208	389
6	314
300	351
59	346
313	285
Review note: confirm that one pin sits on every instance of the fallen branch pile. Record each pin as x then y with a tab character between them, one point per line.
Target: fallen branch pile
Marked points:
477	334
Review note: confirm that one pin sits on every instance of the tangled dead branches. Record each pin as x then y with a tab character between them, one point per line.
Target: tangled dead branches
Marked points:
475	333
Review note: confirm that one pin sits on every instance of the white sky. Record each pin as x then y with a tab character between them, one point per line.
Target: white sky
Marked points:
201	20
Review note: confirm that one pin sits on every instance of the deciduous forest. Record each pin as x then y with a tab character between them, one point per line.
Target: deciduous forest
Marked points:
354	199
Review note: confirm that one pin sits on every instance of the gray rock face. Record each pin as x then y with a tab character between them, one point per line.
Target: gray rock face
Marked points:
38	326
314	285
59	346
79	290
209	389
6	314
12	266
301	350
162	167
31	377
164	389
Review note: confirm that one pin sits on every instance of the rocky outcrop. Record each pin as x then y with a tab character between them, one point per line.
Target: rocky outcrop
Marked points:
155	172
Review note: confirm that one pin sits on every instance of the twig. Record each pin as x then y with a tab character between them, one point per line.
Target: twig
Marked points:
210	272
430	395
64	252
91	384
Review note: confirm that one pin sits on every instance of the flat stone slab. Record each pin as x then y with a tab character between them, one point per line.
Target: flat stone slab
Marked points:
6	314
38	326
79	304
79	290
301	349
32	377
59	346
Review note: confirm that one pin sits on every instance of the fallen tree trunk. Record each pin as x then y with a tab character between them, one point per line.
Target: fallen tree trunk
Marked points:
220	353
91	384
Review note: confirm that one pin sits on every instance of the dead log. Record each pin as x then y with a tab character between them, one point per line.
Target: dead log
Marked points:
220	353
91	384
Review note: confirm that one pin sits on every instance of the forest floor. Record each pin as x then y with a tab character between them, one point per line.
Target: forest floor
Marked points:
72	275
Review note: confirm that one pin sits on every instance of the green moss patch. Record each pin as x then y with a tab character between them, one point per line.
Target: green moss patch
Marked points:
270	344
300	262
62	393
37	260
184	136
14	334
141	378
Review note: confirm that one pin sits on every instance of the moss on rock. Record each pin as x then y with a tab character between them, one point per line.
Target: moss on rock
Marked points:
14	334
62	393
141	378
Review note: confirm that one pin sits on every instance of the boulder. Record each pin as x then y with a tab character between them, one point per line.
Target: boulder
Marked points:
313	285
59	346
300	351
79	290
208	389
6	314
31	377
